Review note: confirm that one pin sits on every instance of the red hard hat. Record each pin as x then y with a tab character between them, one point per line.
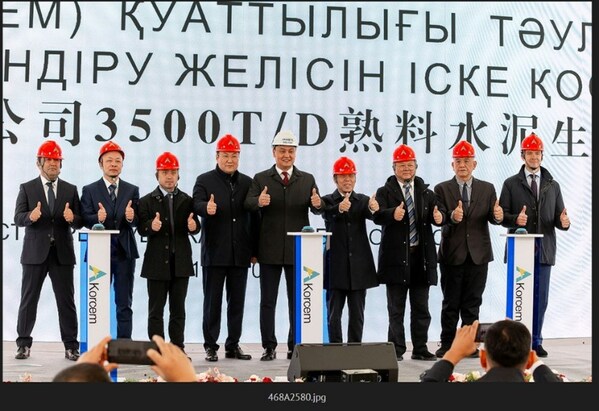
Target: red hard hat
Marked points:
167	161
228	143
532	143
110	146
50	149
463	150
403	153
344	165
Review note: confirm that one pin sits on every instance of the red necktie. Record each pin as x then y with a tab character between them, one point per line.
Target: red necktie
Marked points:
285	177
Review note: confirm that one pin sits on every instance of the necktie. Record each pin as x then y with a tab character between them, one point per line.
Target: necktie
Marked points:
465	201
171	214
51	196
285	177
411	215
112	192
533	186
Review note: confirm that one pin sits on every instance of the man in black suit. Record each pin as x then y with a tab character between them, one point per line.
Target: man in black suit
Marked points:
349	263
284	195
168	259
112	202
465	249
506	355
229	244
49	209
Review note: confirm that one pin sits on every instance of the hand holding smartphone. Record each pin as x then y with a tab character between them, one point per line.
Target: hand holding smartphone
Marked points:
125	351
481	330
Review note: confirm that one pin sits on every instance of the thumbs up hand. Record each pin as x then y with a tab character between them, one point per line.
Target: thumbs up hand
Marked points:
36	213
211	206
564	219
129	212
264	197
497	212
68	214
156	223
522	218
399	212
437	215
191	223
101	213
345	205
458	213
315	198
373	205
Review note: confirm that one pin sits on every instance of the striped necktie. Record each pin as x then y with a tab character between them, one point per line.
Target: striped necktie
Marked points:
411	215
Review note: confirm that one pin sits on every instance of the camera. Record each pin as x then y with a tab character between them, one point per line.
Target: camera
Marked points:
481	331
125	351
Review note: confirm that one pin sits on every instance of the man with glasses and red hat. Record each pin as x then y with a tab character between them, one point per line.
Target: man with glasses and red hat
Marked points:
349	263
532	200
49	209
465	249
229	244
407	261
167	219
111	201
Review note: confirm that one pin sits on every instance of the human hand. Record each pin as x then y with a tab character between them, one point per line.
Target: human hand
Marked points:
458	213
564	219
98	354
68	213
264	197
373	205
129	212
399	212
191	223
171	363
437	215
463	343
101	213
497	212
345	205
522	217
211	206
36	213
315	199
156	223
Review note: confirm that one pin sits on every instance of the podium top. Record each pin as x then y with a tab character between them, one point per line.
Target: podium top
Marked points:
310	234
521	235
86	230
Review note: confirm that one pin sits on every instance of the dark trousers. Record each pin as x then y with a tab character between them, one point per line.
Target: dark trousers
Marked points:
214	280
543	277
270	277
356	301
32	281
463	286
175	290
122	275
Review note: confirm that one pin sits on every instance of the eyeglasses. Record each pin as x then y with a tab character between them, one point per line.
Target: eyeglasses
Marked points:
406	166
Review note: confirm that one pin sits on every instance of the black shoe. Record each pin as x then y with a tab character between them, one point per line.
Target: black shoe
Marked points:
269	354
71	354
474	354
399	356
237	353
441	351
424	356
540	351
289	355
211	355
23	353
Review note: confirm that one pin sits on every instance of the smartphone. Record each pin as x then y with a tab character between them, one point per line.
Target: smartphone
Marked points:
125	351
481	331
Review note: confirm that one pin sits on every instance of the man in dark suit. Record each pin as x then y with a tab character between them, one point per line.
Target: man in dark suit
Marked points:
407	253
283	194
112	202
49	209
229	244
168	259
505	356
349	263
465	249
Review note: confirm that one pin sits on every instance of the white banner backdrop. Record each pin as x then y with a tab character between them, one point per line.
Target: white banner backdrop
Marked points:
354	79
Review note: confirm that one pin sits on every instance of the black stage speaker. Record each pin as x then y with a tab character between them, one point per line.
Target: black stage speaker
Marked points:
328	362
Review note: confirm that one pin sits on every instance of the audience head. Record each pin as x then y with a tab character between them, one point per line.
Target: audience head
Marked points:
507	344
83	372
